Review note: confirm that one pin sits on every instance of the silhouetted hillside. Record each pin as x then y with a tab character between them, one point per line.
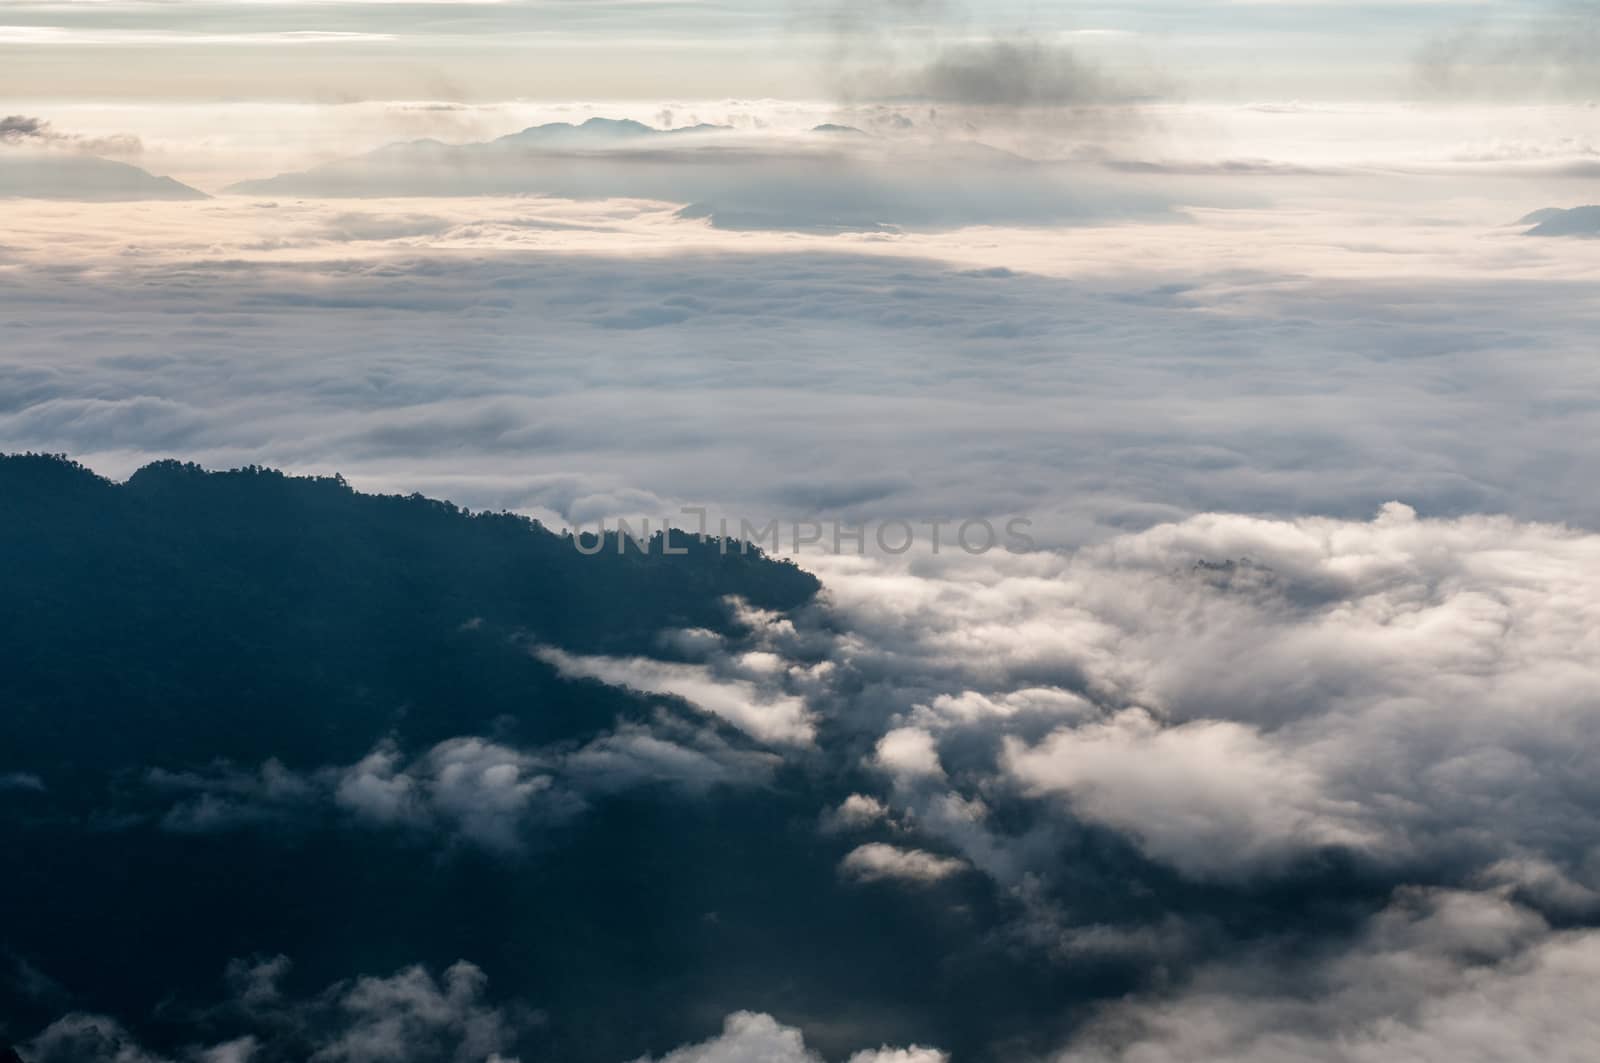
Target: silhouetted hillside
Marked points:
249	613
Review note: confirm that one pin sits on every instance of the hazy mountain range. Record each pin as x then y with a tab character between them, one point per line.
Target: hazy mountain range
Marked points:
1556	221
62	175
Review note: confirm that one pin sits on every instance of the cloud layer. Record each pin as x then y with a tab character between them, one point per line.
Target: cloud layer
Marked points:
1070	378
1279	750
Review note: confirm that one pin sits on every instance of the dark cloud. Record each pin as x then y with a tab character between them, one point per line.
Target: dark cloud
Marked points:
26	130
16	127
38	161
1555	52
948	68
1004	73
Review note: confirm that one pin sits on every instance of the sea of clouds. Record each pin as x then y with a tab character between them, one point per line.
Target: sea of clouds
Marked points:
1308	454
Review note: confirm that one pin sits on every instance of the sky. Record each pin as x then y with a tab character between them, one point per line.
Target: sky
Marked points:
334	50
1272	321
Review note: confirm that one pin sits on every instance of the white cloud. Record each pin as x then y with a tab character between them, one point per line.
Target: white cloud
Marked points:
856	812
635	755
1211	797
749	1037
764	714
817	353
239	1050
1439	978
909	754
970	706
377	788
1260	690
485	788
411	1015
876	862
1232	694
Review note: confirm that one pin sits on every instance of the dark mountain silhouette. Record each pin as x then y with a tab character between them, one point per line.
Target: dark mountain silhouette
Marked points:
311	610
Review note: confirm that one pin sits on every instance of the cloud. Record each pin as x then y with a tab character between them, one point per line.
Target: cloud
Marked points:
877	862
764	714
1010	73
740	181
19	130
634	755
84	1038
1183	754
908	754
1210	797
467	790
1438	976
856	812
1255	692
21	780
1233	708
18	127
1087	417
255	982
1552	54
226	799
479	790
47	36
945	52
748	1037
411	1016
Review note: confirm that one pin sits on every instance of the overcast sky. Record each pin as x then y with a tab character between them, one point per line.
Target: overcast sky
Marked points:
614	49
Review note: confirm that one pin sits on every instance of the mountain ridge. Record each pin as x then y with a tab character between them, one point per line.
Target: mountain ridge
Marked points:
87	178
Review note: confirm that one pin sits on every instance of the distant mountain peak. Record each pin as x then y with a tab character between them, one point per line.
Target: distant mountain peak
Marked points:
63	176
1540	216
619	125
599	129
1555	221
